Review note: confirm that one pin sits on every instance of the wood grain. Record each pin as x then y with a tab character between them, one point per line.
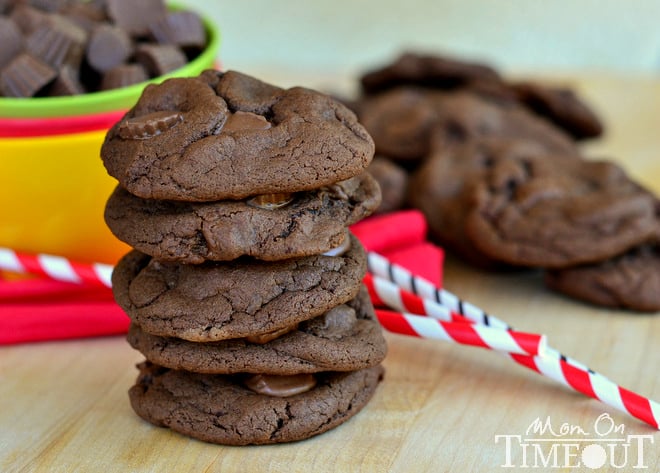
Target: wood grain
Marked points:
64	406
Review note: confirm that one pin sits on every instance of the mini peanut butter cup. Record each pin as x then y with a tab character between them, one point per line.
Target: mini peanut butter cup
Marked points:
149	125
27	18
134	17
66	83
87	15
160	59
108	47
271	201
11	40
242	121
25	76
280	385
57	42
123	76
181	28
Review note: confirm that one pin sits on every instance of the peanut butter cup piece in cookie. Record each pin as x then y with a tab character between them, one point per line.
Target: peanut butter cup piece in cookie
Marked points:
219	301
242	410
238	137
345	338
268	227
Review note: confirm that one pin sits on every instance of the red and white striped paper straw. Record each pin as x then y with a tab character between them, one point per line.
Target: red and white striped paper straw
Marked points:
55	267
586	381
550	363
385	293
477	335
380	266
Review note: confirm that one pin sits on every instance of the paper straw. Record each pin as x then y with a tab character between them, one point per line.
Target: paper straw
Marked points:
550	363
385	293
380	266
462	333
592	384
55	267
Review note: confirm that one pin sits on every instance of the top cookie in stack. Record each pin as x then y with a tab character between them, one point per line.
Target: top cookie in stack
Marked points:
244	288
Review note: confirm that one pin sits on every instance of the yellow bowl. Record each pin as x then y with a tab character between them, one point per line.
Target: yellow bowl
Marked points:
53	191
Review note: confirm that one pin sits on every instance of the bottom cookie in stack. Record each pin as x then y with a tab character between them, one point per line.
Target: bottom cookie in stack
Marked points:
301	361
221	409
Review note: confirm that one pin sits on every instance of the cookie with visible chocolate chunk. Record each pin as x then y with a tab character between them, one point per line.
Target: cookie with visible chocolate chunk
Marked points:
269	227
231	136
629	281
222	409
345	338
219	301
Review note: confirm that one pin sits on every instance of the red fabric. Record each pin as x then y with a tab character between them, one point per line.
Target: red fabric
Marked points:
401	238
37	309
382	233
34	322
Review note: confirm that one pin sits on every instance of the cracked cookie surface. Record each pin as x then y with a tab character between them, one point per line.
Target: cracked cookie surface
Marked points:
515	203
219	301
346	338
220	409
313	223
229	136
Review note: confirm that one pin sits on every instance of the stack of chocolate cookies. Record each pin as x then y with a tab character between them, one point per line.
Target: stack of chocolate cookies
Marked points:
496	167
244	287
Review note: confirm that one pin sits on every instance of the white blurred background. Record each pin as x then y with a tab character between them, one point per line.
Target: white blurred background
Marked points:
346	37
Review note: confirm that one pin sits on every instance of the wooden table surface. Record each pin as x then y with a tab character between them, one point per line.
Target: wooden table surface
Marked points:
64	407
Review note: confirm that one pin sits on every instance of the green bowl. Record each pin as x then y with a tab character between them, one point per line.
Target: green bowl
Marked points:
116	99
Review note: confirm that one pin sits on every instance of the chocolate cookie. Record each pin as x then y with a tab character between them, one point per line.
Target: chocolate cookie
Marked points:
443	189
561	106
428	70
229	136
221	409
393	182
630	281
553	211
219	301
463	116
402	122
346	338
312	222
514	203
